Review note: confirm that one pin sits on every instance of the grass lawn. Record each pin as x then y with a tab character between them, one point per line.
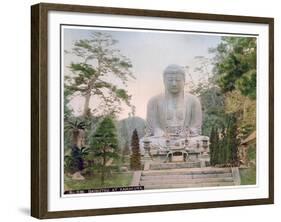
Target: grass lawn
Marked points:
94	182
248	176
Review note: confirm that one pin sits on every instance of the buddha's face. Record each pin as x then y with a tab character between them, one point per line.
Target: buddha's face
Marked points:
174	82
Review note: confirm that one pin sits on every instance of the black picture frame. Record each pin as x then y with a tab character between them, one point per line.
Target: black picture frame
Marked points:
39	109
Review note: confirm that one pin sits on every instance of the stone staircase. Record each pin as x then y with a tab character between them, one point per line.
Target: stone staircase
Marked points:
189	177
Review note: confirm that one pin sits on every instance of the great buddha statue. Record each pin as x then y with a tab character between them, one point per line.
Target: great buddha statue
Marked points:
174	119
174	111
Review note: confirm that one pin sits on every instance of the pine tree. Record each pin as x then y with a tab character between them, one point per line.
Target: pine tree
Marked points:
96	59
104	144
135	160
219	152
230	141
217	148
223	146
235	65
233	140
212	147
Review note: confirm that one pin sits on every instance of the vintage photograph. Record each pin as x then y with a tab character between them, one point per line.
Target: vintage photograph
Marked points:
156	109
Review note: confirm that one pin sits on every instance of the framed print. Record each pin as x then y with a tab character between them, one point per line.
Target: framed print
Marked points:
142	110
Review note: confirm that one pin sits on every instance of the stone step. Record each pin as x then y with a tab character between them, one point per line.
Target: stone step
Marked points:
185	176
189	171
179	185
162	166
185	181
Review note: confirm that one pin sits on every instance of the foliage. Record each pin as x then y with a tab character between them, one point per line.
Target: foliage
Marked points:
245	109
224	144
74	144
200	78
213	109
135	160
74	128
213	146
235	65
104	144
232	141
227	86
75	124
201	81
75	161
230	86
97	59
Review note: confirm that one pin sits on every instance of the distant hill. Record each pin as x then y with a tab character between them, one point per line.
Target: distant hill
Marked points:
127	126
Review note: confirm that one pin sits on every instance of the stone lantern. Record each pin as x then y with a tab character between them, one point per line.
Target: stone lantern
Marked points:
205	144
146	146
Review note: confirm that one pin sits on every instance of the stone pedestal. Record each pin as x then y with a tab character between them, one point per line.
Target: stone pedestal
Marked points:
175	149
147	158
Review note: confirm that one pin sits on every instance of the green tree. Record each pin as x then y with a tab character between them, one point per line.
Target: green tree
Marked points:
104	145
217	147
235	65
226	153
245	110
213	106
233	140
225	141
97	59
212	146
135	160
206	87
235	74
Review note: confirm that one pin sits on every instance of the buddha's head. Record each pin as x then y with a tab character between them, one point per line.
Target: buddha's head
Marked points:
174	79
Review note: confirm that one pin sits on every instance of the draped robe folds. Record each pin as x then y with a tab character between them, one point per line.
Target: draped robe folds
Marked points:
184	111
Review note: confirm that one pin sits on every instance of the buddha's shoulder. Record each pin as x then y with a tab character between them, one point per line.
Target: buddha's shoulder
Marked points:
157	98
191	97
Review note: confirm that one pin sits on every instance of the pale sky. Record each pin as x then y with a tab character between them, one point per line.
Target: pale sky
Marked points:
150	52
